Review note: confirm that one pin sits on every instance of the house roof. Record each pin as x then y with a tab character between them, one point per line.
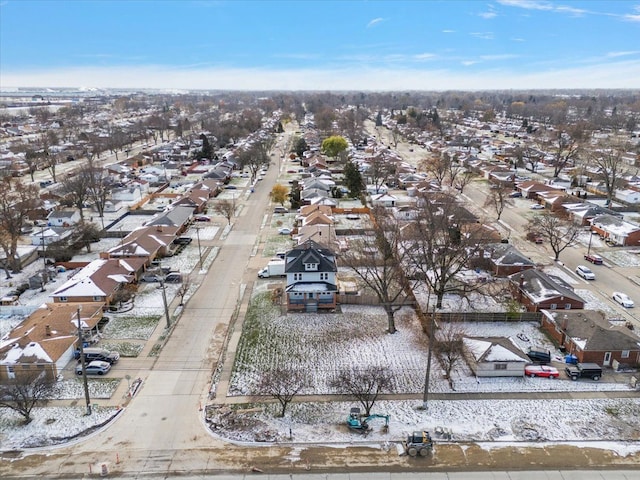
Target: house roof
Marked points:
494	349
62	214
592	332
47	333
99	278
614	225
176	217
540	287
507	254
310	252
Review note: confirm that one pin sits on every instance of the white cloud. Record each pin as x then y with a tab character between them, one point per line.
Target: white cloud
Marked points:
482	35
374	22
622	54
527	4
424	56
488	15
448	31
610	75
504	56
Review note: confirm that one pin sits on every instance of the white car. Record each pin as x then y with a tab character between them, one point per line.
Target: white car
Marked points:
285	231
536	206
585	272
623	299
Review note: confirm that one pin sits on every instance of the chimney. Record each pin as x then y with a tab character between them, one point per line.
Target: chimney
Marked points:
47	330
565	322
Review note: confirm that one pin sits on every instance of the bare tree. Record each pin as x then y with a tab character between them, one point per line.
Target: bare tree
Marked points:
498	198
99	189
463	179
253	158
187	281
611	168
381	169
438	247
379	261
437	166
76	189
396	136
559	232
283	384
365	385
16	201
564	148
25	392
226	208
449	347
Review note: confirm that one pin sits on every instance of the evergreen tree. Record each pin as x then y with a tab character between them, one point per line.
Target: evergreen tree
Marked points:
379	119
207	150
353	179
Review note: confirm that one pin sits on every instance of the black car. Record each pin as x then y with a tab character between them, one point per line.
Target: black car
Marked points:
183	241
584	370
539	355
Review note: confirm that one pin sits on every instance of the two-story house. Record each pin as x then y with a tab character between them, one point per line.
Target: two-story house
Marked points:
311	278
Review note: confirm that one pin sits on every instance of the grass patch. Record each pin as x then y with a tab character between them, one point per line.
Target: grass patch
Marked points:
125	349
131	326
155	350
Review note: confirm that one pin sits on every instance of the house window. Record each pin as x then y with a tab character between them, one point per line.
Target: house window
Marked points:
311	266
297	277
567	306
500	366
324	276
624	354
64	299
553	306
11	371
97	299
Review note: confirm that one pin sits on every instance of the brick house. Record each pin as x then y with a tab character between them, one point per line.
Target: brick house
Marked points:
591	338
536	291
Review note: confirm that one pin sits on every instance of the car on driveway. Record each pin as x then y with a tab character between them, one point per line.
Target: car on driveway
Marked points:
515	194
285	231
623	299
541	371
202	218
536	206
593	258
97	367
585	272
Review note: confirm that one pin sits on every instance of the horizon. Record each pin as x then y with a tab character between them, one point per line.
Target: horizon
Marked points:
511	45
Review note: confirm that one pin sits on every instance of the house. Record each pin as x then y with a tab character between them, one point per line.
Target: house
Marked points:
628	196
384	200
49	235
63	218
46	339
322	234
179	217
591	338
146	242
132	193
311	278
503	259
99	280
494	357
615	230
536	291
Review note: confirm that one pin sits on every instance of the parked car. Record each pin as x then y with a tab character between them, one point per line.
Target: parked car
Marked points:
230	187
150	278
45	183
536	206
541	371
585	272
97	367
623	299
539	355
593	258
515	194
584	370
280	210
173	277
285	231
101	354
202	218
183	240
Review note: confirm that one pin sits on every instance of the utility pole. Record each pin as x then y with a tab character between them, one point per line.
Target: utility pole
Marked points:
44	261
199	249
425	397
164	302
84	365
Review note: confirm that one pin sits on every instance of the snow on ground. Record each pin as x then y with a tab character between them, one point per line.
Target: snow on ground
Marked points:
468	420
623	258
50	425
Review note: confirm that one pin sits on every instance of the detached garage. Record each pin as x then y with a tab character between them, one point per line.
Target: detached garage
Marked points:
495	357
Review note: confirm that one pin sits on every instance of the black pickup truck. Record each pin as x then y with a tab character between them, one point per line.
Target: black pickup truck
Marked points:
584	370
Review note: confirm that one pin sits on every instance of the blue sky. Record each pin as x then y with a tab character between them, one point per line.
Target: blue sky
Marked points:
320	45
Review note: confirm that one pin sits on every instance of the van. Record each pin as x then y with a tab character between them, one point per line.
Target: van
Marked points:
102	354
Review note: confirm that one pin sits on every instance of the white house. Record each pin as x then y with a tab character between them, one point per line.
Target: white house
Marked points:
495	357
629	196
63	218
49	235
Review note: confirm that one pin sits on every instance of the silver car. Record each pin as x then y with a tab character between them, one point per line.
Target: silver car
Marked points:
97	367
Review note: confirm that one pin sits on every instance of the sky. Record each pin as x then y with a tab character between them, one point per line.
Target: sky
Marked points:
320	45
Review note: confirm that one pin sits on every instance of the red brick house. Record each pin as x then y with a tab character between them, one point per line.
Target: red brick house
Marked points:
591	338
536	291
